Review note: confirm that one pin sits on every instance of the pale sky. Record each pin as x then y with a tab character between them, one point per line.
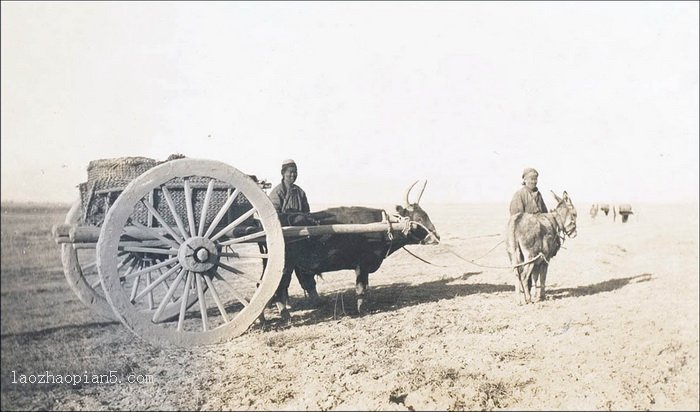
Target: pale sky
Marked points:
600	97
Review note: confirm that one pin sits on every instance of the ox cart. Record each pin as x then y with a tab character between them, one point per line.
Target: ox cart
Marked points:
188	252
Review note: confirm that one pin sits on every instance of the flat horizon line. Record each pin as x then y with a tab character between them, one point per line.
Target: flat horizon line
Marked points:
6	203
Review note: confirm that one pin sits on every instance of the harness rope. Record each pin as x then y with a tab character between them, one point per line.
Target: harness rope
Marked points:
539	256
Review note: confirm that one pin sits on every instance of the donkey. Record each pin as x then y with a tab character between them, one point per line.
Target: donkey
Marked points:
532	240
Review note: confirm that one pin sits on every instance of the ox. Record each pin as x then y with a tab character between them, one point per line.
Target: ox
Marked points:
362	252
532	240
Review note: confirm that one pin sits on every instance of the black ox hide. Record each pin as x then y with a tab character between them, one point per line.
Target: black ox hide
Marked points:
362	252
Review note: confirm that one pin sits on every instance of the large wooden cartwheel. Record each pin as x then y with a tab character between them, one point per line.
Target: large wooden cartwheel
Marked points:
197	247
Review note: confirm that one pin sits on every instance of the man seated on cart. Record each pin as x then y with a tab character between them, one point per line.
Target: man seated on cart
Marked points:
293	207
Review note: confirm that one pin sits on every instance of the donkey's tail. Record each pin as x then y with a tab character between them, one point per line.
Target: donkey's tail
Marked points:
515	253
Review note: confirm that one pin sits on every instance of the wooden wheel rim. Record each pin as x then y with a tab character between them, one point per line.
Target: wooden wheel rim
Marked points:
75	277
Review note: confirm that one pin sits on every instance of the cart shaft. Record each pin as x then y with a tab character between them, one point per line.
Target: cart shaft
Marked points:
90	234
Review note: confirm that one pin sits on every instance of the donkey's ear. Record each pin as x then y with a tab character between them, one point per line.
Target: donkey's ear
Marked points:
556	197
566	196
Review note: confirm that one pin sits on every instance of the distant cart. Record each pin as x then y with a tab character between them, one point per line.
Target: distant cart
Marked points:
188	252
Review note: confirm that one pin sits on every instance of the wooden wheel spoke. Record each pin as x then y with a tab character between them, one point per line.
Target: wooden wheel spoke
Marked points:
159	279
235	223
205	207
154	267
202	303
233	290
136	249
183	298
167	297
147	231
135	286
176	216
89	266
166	285
244	255
150	293
246	238
94	285
131	267
217	300
129	258
125	261
162	221
222	213
190	208
239	272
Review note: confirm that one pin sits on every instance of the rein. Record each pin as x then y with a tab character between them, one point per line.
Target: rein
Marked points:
539	256
562	234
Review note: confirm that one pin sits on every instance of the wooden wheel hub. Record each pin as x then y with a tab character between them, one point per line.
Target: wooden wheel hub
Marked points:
198	254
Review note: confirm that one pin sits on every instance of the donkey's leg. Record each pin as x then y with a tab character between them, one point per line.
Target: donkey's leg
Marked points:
534	280
361	287
519	290
516	258
543	279
536	277
526	279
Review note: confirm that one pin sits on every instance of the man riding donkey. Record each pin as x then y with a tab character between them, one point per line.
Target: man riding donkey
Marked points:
534	236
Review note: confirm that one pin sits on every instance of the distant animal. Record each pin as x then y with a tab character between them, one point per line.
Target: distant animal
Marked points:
362	252
624	210
532	240
594	211
605	208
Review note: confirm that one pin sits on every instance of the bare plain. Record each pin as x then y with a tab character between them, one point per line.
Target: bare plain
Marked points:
618	330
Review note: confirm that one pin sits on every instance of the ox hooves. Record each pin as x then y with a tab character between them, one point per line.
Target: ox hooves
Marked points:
361	307
285	315
283	311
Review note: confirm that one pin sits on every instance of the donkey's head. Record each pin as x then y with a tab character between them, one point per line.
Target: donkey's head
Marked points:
567	214
422	229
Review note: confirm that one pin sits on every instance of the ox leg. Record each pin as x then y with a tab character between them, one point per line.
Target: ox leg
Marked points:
307	281
361	286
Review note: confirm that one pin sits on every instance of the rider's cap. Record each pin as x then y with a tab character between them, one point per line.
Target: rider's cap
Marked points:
287	163
529	171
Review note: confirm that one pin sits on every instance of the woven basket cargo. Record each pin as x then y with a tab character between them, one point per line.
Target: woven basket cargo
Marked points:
107	178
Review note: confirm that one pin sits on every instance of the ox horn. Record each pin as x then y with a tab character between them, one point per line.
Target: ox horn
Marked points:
407	203
421	191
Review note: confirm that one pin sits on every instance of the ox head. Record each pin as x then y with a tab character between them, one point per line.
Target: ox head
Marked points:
567	213
422	229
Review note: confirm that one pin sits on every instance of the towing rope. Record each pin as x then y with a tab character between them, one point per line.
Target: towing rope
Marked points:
472	261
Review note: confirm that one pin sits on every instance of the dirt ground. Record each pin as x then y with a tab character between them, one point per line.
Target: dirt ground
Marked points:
619	329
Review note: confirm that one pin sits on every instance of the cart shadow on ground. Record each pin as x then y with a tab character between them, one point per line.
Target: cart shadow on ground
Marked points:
397	296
